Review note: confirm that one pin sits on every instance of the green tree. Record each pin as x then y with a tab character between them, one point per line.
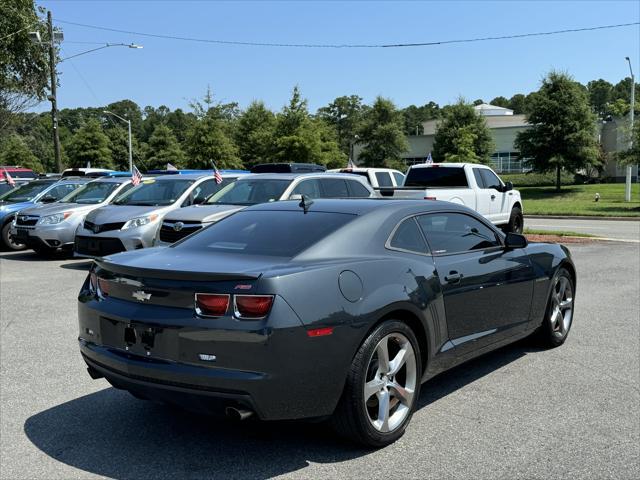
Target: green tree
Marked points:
500	102
254	134
518	103
14	151
24	64
477	102
414	117
462	136
631	156
208	141
563	131
600	93
382	135
119	146
345	115
163	148
89	145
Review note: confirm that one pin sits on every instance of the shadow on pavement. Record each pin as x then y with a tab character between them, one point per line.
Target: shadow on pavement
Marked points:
110	433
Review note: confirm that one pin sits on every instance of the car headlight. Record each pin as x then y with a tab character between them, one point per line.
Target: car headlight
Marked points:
54	219
140	221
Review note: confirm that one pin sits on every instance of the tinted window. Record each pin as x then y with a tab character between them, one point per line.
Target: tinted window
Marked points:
310	188
266	233
357	189
399	178
250	192
478	176
490	179
456	232
90	193
207	188
384	179
436	177
26	192
408	237
334	188
154	192
60	191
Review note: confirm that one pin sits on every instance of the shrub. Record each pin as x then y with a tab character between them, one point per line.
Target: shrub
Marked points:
532	179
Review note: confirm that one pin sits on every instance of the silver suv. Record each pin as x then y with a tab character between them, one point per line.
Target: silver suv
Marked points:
131	221
259	188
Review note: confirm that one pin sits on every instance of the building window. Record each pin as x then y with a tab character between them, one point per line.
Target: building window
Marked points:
509	162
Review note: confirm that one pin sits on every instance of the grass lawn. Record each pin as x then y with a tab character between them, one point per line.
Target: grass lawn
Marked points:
578	200
557	233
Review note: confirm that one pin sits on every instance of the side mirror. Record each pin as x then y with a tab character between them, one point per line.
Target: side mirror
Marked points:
515	240
48	199
507	187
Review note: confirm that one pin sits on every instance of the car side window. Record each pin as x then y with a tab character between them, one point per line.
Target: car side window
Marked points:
310	188
384	179
399	178
357	190
334	188
61	191
456	233
478	175
491	180
408	237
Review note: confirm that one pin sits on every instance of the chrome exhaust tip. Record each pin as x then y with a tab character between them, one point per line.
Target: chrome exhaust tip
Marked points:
237	414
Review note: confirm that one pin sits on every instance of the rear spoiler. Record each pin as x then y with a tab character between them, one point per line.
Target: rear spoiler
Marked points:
173	274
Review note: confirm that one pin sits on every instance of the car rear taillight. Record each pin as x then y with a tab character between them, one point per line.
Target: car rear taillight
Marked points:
429	198
212	304
252	306
103	287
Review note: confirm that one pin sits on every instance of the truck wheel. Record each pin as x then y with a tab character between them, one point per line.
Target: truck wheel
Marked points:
7	239
516	221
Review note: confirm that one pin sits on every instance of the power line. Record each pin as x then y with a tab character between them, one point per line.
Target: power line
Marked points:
346	45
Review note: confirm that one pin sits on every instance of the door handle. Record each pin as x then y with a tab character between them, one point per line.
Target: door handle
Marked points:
493	197
453	277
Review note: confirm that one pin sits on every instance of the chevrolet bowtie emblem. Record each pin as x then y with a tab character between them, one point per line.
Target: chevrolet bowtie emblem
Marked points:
141	295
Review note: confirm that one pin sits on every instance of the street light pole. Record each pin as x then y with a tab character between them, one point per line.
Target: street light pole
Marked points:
128	122
53	96
627	187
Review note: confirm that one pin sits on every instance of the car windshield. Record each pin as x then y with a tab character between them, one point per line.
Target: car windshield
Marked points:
436	177
25	192
281	233
155	192
250	192
91	193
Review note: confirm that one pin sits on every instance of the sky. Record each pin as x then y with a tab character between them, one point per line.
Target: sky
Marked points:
172	72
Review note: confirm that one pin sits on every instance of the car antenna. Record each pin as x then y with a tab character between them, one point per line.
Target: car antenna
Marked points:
305	203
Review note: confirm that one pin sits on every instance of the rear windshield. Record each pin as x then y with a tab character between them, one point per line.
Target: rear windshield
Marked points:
25	192
250	192
266	233
91	193
155	192
436	177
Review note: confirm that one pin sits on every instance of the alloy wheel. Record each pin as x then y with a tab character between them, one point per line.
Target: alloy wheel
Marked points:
390	383
561	312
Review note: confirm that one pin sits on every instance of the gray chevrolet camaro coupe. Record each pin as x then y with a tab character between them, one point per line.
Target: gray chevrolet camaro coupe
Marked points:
334	309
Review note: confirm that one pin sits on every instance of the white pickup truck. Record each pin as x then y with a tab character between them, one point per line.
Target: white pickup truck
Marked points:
470	184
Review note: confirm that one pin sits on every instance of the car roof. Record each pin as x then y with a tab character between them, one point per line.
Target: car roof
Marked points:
111	179
362	206
293	176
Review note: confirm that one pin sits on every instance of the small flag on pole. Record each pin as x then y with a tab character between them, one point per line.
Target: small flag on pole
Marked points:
9	178
171	167
216	173
136	176
351	163
429	159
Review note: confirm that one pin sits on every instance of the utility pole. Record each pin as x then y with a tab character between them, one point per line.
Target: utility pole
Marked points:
52	97
627	187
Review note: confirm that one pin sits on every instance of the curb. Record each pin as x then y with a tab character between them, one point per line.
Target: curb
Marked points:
584	217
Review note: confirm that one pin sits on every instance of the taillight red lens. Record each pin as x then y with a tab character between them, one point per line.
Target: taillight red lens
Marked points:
103	287
253	306
212	304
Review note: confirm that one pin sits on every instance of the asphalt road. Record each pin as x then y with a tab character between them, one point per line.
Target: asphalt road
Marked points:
620	229
520	412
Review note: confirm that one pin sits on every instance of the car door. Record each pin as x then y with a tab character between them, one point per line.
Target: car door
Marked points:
487	289
493	185
483	196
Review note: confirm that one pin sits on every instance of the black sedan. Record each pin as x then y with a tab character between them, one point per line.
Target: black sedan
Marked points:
338	309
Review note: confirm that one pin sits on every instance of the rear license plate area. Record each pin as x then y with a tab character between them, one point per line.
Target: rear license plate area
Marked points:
140	338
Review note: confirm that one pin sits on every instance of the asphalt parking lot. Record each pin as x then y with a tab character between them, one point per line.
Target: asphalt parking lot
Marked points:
520	412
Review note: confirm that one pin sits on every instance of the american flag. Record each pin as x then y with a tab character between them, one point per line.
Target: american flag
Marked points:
136	176
429	159
216	174
9	179
171	167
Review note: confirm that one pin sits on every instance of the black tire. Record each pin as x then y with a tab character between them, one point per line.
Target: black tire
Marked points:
550	333
351	418
516	221
8	240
